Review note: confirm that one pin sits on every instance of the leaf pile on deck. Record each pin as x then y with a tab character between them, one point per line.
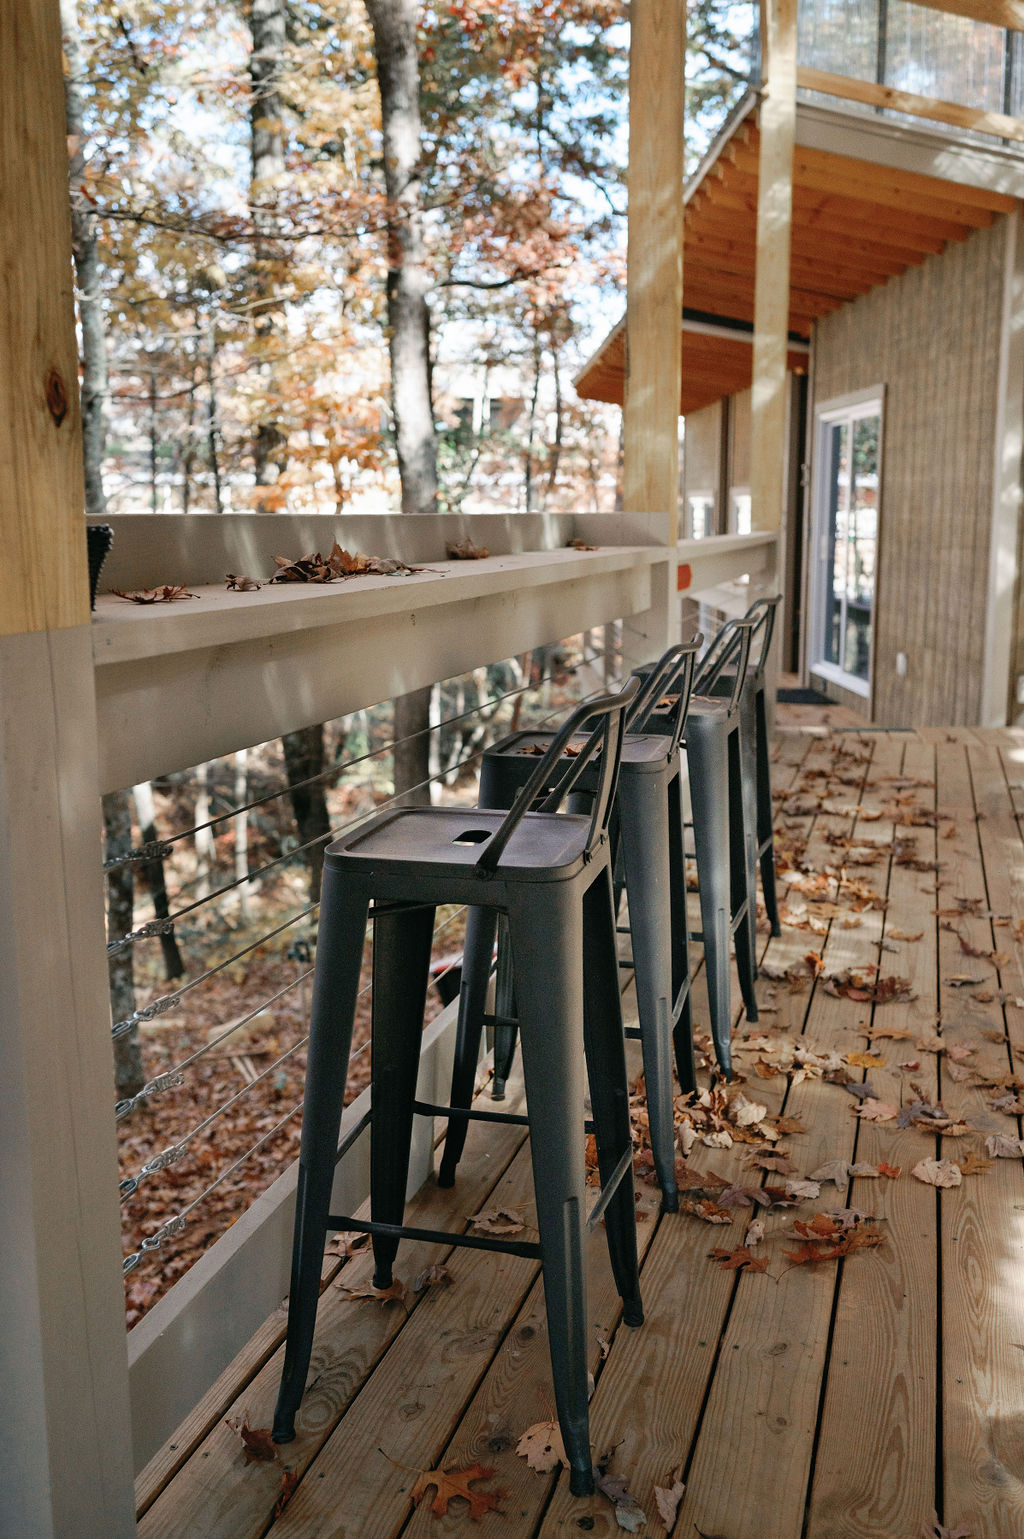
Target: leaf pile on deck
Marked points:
337	564
452	1483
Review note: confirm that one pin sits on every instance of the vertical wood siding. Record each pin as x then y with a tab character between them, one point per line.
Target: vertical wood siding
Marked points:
931	337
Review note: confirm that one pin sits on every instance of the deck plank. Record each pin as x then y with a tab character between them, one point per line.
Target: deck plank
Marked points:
875	1476
216	1493
982	1256
754	1450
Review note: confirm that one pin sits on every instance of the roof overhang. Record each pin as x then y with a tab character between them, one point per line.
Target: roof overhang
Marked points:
868	203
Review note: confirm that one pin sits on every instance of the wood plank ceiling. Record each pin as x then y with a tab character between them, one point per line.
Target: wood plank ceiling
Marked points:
855	225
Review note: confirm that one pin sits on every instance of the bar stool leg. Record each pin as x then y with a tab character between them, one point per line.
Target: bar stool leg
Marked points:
765	815
609	1091
547	946
708	758
748	768
741	880
339	958
645	846
476	967
505	1037
682	1034
401	970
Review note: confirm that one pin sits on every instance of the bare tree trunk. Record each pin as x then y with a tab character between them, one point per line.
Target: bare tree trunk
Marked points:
303	759
267	24
153	871
212	430
204	845
117	825
398	75
240	824
528	477
95	383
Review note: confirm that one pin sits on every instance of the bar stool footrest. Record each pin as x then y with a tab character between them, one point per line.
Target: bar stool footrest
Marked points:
529	1249
429	1109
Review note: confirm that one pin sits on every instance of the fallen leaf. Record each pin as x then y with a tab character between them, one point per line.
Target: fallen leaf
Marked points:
667	1499
974	1165
863	1168
910	1064
743	1197
704	1208
836	1171
542	1447
739	1260
628	1514
257	1442
876	1111
803	1189
999	1147
289	1484
935	1530
892	1171
959	1051
452	1483
864	1060
393	1295
465	550
787	1124
433	1277
498	1221
754	1234
906	935
344	1243
240	584
938	1172
772	1159
580	545
165	595
745	1113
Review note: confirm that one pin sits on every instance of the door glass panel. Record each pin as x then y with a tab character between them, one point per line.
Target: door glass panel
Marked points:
849	447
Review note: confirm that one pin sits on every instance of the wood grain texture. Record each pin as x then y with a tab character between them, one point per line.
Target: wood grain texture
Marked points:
983	1301
654	282
768	444
44	584
874	95
875	1475
996	13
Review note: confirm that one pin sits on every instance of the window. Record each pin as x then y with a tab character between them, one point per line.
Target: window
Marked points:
740	499
701	513
846	502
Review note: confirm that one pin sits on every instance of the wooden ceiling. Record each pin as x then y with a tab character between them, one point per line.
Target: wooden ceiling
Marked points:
855	224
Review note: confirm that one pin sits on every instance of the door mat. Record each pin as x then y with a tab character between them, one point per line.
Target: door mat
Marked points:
803	697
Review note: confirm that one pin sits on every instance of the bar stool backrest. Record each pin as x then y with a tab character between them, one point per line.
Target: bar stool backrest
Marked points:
671	675
553	779
764	611
730	649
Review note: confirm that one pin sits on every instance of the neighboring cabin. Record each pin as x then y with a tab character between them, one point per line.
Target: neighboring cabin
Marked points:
906	331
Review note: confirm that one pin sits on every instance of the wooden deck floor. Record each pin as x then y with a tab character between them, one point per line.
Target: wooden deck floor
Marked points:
852	1397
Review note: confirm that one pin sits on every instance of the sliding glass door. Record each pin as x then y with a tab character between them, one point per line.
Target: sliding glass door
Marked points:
846	499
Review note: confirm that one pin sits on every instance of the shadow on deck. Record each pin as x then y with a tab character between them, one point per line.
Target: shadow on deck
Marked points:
846	1396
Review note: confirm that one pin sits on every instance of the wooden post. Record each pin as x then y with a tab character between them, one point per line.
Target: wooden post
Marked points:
63	1357
998	702
654	287
768	436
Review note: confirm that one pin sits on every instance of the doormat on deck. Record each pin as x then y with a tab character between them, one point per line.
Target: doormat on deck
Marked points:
802	697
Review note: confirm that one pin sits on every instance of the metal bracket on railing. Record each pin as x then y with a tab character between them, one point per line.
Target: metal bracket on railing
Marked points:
144	932
169	1081
157	849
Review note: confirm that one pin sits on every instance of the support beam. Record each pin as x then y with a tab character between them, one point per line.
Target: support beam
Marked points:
997	13
874	95
63	1357
654	286
997	705
768	440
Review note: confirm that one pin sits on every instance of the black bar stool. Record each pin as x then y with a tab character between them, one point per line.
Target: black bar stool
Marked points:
756	744
549	874
721	799
647	838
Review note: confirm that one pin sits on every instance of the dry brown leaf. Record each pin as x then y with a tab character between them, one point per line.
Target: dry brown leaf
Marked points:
864	1060
668	1497
452	1483
892	1171
836	1171
999	1147
704	1208
974	1165
498	1221
938	1172
873	1110
466	550
240	584
433	1277
739	1260
906	935
803	1190
165	595
257	1442
542	1447
754	1234
628	1513
289	1485
393	1295
936	1530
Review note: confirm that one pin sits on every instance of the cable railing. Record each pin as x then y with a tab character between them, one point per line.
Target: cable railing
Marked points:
176	1076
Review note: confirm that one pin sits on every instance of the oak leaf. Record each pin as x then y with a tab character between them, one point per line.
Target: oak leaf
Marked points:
803	1189
165	595
498	1221
542	1447
628	1513
836	1171
774	1160
704	1208
240	584
739	1260
257	1442
452	1483
864	1060
289	1483
393	1295
974	1164
668	1497
466	550
874	1110
892	1171
999	1147
433	1277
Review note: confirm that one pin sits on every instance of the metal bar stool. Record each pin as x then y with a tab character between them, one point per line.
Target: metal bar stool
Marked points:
646	827
549	874
723	827
756	746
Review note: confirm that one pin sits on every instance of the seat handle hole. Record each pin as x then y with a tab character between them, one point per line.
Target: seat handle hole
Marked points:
473	836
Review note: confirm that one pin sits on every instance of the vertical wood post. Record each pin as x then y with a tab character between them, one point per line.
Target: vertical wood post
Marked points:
63	1358
1003	650
768	437
654	287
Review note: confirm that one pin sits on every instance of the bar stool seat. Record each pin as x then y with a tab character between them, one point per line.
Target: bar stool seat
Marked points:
548	873
647	834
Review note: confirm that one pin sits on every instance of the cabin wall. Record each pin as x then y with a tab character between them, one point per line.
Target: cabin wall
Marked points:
931	338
